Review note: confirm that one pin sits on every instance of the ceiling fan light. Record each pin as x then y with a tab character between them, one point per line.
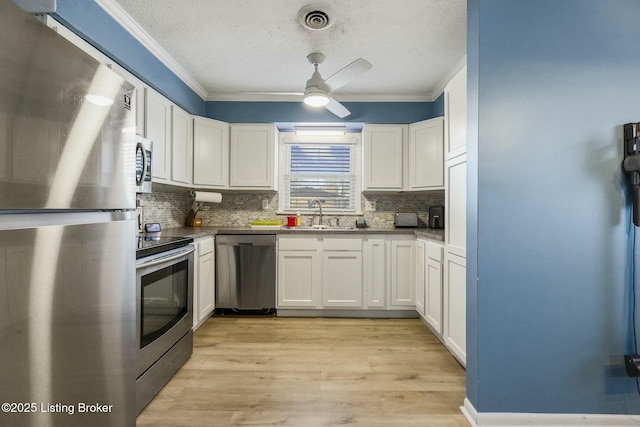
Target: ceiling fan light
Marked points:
316	99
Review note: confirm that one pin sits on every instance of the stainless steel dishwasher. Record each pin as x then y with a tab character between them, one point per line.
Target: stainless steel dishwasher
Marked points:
246	272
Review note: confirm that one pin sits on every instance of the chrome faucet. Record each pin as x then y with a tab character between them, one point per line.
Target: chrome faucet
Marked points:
319	207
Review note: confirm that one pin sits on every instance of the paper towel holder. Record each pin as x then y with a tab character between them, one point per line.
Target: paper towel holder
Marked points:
191	220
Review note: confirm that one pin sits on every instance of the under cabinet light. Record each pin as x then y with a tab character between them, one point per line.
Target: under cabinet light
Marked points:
320	132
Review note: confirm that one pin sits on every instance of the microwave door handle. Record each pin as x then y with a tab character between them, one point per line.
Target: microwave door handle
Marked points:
162	260
140	148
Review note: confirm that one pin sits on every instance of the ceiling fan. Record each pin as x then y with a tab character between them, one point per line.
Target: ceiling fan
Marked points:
317	92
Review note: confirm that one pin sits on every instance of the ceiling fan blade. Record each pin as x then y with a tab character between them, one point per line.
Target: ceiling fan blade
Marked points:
348	73
336	108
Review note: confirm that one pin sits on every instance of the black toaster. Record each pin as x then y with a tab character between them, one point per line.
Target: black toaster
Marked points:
436	217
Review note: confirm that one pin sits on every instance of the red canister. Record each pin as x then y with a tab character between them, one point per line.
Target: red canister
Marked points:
291	221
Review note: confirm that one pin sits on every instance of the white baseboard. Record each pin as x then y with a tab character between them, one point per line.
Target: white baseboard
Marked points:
514	419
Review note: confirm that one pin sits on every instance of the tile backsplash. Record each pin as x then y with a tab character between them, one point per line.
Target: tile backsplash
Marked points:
170	205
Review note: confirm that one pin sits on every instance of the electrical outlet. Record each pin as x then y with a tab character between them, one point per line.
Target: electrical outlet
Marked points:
265	204
370	205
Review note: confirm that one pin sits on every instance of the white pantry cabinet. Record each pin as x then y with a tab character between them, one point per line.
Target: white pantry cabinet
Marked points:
384	153
426	155
455	280
181	146
210	153
158	129
253	157
204	278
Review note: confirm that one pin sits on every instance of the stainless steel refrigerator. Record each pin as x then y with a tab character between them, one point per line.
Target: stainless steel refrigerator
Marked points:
67	249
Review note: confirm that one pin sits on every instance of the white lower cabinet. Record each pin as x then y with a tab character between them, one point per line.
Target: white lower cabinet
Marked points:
375	272
204	281
402	282
298	272
318	272
342	272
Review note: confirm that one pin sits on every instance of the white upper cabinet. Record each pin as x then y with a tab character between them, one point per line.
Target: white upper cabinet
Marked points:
181	146
426	154
210	153
384	156
455	105
253	157
158	129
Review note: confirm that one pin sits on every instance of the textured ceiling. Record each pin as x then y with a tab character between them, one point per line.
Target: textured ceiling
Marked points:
232	46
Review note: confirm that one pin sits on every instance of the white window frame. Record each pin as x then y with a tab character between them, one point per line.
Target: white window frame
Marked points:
354	139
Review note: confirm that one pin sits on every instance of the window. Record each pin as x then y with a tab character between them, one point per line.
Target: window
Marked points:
320	168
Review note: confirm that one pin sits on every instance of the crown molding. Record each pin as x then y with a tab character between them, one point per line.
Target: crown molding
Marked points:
132	27
451	74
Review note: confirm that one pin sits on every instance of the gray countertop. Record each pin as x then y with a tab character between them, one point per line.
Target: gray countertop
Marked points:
196	232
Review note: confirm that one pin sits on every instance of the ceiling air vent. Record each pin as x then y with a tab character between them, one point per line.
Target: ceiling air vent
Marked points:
315	17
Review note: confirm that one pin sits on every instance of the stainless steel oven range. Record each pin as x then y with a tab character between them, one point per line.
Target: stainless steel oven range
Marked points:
164	273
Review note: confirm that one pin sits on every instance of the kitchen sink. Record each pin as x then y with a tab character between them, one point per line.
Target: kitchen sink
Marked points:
322	227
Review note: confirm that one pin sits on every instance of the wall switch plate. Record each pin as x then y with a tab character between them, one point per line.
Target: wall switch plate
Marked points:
370	206
265	204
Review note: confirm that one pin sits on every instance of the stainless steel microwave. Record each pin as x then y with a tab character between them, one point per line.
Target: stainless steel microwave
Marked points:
144	149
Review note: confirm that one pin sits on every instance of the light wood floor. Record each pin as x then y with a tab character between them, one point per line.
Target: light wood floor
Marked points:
270	371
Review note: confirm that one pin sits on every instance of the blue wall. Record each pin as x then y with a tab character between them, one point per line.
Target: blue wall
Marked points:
361	112
551	310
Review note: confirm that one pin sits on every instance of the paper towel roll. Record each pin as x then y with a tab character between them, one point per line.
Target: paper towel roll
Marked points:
208	197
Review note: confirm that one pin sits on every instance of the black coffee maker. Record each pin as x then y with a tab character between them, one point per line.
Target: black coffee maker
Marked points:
436	217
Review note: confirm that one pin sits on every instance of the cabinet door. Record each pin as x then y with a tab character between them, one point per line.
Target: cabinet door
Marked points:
433	295
210	153
426	154
375	272
456	206
206	285
204	280
455	99
456	306
384	151
181	146
158	127
420	276
252	157
342	279
403	270
298	279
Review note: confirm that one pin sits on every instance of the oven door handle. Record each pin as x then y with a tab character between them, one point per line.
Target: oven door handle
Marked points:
162	260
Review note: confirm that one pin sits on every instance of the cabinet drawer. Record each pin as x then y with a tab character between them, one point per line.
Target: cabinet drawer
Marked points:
298	244
205	246
342	244
435	252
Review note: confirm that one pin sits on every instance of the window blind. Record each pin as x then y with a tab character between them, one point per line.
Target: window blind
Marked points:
325	172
